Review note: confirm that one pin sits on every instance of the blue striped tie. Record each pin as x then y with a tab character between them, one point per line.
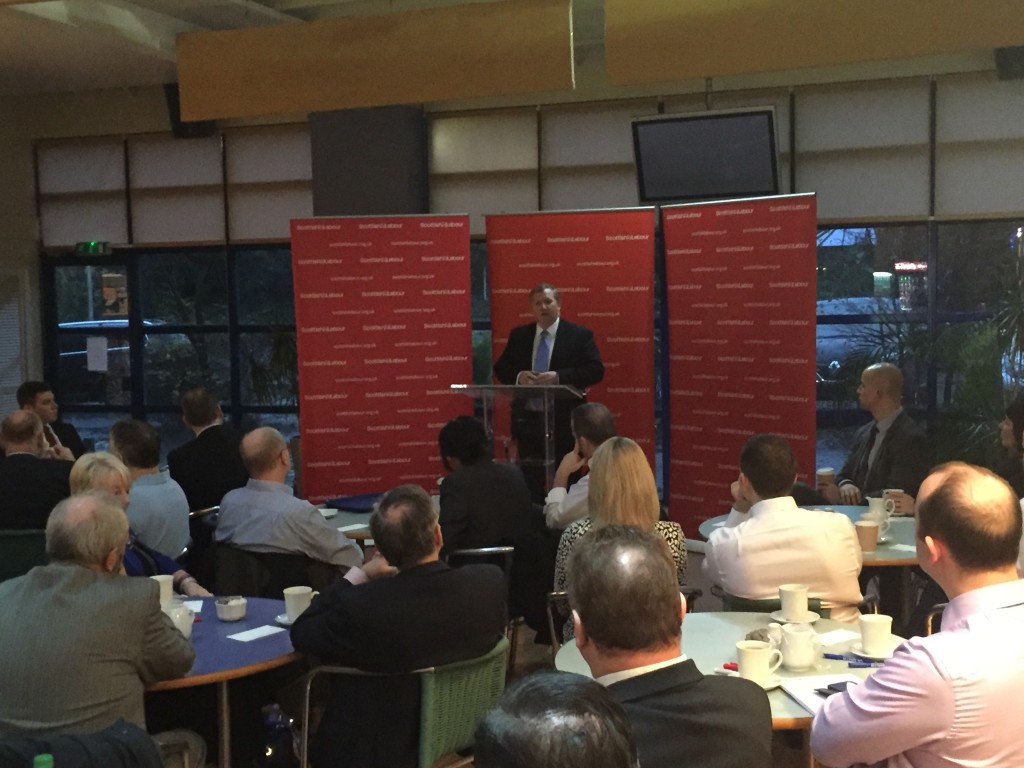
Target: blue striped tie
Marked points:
543	359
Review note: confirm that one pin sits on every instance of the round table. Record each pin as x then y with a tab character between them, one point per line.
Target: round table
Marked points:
220	659
355	525
899	552
710	640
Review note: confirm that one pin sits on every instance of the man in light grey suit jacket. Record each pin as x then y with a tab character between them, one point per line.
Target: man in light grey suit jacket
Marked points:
80	641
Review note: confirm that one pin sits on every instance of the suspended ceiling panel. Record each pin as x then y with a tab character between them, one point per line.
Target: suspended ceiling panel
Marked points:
648	41
517	46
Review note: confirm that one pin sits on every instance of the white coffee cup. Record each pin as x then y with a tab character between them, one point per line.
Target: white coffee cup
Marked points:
296	600
794	601
800	646
757	660
867	534
876	634
166	589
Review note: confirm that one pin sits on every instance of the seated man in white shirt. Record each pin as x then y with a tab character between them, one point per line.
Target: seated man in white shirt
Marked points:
592	424
264	515
950	699
768	540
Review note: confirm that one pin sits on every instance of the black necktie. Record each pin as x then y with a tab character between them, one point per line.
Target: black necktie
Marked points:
862	476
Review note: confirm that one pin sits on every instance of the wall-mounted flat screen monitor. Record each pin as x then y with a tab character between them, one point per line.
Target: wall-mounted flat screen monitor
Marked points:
706	155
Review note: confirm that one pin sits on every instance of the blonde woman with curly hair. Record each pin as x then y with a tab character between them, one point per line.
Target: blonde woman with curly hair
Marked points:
622	492
102	471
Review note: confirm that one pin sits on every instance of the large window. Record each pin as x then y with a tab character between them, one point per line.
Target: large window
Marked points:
131	332
954	340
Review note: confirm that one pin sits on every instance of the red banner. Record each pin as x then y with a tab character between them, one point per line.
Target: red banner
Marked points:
602	263
741	280
382	313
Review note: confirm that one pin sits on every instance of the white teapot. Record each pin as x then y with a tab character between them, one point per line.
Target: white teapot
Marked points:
181	615
800	646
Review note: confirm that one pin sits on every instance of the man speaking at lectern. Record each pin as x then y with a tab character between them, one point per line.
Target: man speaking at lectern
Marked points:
549	351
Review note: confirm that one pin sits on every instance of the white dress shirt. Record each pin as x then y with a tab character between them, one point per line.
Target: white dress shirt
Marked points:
947	700
780	543
562	507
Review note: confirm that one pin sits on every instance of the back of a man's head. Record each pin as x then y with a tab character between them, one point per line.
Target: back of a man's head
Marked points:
555	720
84	528
974	512
593	422
21	428
27	392
260	450
622	582
403	526
463	438
769	464
136	443
200	407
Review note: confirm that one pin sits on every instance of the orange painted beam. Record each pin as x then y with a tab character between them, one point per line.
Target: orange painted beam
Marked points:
455	52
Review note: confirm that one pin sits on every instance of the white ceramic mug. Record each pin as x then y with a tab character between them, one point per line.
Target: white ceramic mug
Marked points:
757	660
296	600
876	634
166	589
800	646
794	601
867	534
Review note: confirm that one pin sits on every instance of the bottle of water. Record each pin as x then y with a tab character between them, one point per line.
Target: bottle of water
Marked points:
279	752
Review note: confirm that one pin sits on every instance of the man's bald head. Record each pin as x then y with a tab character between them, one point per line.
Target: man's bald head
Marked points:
887	378
622	582
22	431
261	453
85	528
974	513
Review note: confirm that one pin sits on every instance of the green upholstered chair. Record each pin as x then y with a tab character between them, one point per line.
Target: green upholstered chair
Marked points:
453	700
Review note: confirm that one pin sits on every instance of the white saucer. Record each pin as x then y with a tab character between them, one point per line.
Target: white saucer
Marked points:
809	618
283	620
771	683
328	513
856	650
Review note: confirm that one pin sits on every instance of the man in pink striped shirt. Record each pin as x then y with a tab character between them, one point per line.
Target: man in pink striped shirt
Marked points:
951	699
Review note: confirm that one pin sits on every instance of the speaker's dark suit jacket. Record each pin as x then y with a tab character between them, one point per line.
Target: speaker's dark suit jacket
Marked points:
902	461
209	466
425	616
575	358
680	717
30	488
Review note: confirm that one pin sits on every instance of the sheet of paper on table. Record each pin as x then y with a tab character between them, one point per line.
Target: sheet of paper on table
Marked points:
196	606
255	634
837	636
356	527
904	547
802	688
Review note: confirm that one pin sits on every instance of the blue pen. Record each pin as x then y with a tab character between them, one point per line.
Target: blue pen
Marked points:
864	665
838	656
